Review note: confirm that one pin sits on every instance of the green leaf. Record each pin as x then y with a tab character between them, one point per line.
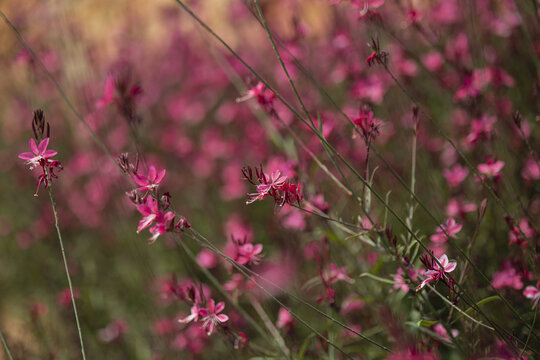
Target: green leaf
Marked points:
304	347
426	323
378	278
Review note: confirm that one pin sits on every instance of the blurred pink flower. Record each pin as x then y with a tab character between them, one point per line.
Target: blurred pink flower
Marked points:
249	254
508	277
455	175
491	169
64	296
451	227
285	320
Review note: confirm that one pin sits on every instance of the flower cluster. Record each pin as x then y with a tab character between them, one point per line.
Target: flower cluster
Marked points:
276	186
149	203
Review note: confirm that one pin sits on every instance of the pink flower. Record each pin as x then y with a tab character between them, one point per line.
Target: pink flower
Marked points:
459	207
277	186
455	175
285	320
263	190
491	169
438	272
193	316
450	227
152	179
441	331
152	214
40	156
39	153
508	277
530	171
249	254
533	293
400	283
64	296
367	123
211	316
108	95
264	96
335	274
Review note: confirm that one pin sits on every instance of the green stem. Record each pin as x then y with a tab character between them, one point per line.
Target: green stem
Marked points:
6	347
57	226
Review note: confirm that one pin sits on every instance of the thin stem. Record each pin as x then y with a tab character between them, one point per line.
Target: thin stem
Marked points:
244	270
57	226
530	332
218	286
276	51
6	347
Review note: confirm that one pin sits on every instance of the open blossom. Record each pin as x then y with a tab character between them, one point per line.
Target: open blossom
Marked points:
211	316
533	293
39	153
367	123
334	274
508	277
451	227
264	96
153	215
249	253
277	186
491	169
275	183
438	272
455	175
285	320
152	179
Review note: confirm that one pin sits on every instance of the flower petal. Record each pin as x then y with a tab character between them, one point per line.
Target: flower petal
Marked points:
49	154
43	145
450	267
222	318
151	173
26	156
160	176
33	146
219	307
